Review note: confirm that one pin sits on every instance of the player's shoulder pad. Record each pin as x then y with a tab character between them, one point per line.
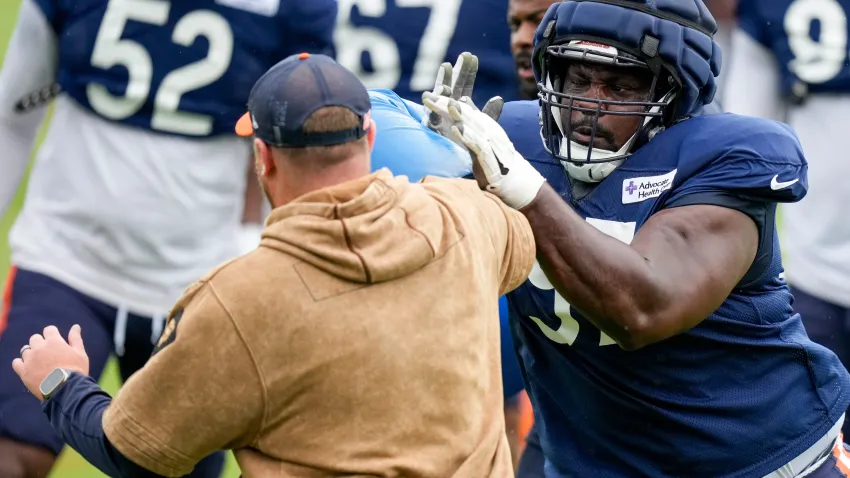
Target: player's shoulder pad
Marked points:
407	147
759	158
388	100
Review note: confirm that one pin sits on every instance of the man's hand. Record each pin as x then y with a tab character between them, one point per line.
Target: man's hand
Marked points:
48	351
497	165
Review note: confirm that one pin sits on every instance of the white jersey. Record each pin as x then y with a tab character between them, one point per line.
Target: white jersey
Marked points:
816	231
125	215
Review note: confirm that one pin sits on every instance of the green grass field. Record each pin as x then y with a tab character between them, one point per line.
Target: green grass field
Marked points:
70	464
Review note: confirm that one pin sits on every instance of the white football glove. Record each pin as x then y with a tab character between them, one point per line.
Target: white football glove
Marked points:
457	83
497	165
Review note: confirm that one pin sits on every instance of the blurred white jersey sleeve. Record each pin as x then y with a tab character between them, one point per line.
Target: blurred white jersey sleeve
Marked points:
751	85
29	65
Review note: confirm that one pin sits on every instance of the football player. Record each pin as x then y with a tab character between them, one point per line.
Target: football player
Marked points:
398	44
523	18
790	62
656	333
137	188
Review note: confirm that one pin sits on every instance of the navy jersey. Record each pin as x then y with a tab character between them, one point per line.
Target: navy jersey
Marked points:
400	44
740	394
809	39
184	67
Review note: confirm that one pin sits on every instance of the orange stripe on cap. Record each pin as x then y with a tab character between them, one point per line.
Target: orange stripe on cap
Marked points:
303	56
7	299
244	127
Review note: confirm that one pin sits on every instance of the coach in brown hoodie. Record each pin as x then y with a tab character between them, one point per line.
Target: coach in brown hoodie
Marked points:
360	339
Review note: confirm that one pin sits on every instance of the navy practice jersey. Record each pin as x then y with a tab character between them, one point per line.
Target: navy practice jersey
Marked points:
809	39
400	44
740	394
183	67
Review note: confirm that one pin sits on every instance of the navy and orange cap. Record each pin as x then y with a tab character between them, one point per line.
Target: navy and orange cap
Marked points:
286	95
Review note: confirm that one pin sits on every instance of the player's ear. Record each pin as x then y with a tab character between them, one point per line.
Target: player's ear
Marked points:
371	133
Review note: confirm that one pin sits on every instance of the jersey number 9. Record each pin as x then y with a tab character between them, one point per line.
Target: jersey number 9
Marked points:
816	61
111	50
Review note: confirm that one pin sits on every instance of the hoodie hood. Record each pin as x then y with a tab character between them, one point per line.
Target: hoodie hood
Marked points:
369	230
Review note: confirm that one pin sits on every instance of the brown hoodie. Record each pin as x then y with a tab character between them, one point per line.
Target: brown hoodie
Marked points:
360	339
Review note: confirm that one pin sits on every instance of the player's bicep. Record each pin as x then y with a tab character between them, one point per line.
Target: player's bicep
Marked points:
697	253
199	393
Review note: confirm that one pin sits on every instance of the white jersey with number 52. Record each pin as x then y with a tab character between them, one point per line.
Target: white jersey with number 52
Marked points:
137	187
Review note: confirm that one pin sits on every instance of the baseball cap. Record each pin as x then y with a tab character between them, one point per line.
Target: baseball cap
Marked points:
289	92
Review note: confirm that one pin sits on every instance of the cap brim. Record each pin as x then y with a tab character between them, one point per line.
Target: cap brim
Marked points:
244	127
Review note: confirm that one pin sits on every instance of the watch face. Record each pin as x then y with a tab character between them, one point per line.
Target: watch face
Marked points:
53	380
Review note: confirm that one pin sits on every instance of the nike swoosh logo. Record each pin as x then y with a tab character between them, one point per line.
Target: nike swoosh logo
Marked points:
776	185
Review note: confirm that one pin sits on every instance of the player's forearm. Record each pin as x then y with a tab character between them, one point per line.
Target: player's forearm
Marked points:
76	413
608	281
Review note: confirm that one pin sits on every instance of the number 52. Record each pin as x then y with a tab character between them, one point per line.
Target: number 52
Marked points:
111	50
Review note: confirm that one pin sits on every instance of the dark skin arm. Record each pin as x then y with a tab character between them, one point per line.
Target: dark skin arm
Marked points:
680	267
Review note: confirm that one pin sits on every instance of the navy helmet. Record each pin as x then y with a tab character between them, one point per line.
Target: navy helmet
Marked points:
672	39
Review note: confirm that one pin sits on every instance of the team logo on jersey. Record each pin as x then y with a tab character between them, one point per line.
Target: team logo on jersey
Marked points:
641	189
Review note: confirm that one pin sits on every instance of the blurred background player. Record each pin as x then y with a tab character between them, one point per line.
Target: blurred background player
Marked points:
523	19
399	44
789	62
724	13
132	196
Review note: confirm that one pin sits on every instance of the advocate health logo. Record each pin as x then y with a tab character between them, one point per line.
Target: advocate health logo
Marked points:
641	189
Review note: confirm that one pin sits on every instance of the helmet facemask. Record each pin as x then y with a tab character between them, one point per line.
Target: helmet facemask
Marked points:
577	142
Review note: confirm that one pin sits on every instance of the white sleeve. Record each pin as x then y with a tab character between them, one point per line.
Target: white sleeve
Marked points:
752	84
30	64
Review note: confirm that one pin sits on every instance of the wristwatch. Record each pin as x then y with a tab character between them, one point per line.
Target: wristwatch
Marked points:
53	381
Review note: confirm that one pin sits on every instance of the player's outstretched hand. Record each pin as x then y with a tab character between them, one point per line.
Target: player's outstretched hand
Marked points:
496	164
455	82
